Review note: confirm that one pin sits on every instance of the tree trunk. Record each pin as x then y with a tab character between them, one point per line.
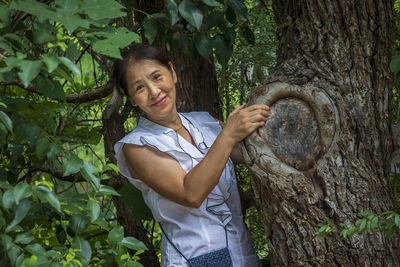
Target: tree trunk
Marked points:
325	150
113	130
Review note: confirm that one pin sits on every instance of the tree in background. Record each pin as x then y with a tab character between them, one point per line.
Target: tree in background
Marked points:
62	201
325	151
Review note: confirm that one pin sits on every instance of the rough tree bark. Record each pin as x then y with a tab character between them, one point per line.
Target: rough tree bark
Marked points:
325	151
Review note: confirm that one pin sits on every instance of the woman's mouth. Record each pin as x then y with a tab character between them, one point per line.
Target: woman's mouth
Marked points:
160	102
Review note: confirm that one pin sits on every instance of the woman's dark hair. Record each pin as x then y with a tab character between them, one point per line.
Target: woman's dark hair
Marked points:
136	52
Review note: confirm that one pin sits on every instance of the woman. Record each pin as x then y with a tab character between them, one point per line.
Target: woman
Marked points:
182	163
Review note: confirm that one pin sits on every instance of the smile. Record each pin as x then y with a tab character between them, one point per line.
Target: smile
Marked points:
160	102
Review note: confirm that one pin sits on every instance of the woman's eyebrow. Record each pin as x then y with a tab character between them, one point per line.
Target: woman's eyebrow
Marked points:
151	74
148	76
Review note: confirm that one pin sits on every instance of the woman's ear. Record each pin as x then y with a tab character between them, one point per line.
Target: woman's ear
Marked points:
173	73
133	103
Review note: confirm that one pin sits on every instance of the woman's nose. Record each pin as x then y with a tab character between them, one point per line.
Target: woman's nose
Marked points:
154	90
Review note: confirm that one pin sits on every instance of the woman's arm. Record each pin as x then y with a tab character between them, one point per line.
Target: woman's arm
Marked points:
236	155
165	175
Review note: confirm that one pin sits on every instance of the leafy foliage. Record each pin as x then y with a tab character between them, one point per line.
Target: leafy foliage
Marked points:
388	222
55	206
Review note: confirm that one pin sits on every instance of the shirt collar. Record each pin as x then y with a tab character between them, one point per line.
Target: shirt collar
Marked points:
159	129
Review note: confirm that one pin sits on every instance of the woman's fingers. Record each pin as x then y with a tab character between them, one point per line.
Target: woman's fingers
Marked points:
244	120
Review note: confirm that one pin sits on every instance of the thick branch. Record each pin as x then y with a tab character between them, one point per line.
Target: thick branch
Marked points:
94	94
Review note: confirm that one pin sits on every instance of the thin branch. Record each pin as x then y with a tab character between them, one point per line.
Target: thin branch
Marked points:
73	178
95	154
77	122
96	235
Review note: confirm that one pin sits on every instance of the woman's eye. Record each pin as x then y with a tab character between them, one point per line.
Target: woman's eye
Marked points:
139	87
156	77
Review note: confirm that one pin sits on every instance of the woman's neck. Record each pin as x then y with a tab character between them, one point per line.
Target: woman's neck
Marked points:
173	122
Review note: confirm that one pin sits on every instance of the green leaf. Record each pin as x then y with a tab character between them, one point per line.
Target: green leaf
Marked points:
6	241
70	65
20	260
397	220
44	33
67	14
134	264
102	223
395	64
85	252
203	45
30	69
13	254
49	88
53	151
40	10
115	39
24	238
94	210
72	22
214	19
11	63
248	35
172	11
112	166
361	224
67	6
72	164
21	191
133	243
212	3
20	213
102	9
49	196
87	173
51	62
115	236
240	8
42	145
78	223
8	199
189	11
223	50
36	249
150	29
106	190
5	185
4	119
4	15
133	198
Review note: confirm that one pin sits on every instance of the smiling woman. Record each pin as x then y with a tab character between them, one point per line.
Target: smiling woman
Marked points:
183	165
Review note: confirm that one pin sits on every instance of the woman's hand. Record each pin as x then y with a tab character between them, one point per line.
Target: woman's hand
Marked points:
244	120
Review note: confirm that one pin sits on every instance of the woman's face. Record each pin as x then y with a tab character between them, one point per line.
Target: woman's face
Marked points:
151	87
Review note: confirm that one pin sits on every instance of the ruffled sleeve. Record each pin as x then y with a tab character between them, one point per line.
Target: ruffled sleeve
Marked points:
144	139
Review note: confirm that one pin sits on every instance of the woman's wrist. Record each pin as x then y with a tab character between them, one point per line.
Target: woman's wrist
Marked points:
226	138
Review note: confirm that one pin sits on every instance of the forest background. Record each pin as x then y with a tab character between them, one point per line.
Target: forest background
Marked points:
62	201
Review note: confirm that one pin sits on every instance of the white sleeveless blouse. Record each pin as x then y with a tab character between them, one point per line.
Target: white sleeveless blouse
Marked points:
194	231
